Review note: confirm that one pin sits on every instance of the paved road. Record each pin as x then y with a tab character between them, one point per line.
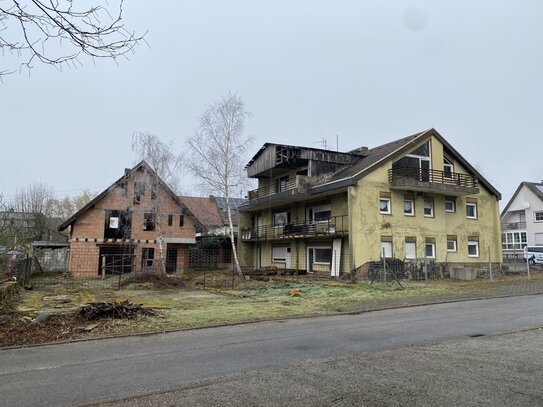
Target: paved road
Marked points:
83	372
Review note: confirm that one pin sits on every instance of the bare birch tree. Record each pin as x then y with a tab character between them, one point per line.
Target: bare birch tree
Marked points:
217	152
58	32
160	157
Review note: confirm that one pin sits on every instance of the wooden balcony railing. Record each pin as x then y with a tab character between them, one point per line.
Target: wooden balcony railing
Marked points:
299	182
335	226
432	176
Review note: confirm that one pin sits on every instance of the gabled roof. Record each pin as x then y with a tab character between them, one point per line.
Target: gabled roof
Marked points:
375	157
535	187
204	209
141	164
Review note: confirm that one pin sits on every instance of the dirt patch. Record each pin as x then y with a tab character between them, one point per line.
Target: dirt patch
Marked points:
156	279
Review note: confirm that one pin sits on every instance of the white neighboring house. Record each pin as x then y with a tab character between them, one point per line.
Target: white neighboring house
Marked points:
522	219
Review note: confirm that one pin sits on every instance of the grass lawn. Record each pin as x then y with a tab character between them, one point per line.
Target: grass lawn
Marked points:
252	300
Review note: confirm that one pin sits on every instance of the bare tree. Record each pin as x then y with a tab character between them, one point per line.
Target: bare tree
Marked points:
36	30
67	206
160	157
217	151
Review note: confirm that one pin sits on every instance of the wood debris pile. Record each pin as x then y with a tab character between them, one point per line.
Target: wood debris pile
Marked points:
119	310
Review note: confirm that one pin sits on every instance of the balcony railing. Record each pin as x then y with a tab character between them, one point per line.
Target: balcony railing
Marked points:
514	226
335	226
298	183
407	175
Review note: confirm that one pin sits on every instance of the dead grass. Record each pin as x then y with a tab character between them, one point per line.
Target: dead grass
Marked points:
252	300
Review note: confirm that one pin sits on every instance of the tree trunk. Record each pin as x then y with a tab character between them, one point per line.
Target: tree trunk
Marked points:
234	251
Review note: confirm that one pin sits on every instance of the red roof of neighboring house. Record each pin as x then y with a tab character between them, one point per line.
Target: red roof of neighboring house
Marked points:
204	209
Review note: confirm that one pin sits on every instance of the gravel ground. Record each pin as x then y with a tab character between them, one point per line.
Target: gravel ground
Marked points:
500	370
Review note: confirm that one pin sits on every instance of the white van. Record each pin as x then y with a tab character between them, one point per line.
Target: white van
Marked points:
534	254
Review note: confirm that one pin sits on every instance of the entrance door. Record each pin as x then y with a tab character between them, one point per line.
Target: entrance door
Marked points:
171	259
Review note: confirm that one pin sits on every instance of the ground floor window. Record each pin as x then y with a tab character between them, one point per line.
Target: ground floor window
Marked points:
451	244
279	254
147	257
473	248
430	250
410	249
514	240
323	255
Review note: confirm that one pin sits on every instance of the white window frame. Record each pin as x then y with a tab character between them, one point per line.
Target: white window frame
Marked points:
514	240
476	244
453	250
431	208
474	205
276	257
433	245
412	213
535	216
312	211
448	164
315	248
408	255
389	208
386	243
453	210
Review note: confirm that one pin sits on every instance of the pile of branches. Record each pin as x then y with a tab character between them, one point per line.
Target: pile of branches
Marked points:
119	310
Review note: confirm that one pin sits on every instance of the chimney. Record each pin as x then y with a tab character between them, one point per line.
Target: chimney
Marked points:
360	150
126	172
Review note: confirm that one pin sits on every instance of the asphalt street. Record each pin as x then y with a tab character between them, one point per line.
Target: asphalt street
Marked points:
84	372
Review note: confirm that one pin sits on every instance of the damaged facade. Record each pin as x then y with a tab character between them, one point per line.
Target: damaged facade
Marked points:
136	224
414	198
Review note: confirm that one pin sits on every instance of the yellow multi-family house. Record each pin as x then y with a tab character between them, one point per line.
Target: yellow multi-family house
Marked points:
325	211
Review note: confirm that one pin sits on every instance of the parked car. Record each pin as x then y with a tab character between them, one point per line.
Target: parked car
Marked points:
534	254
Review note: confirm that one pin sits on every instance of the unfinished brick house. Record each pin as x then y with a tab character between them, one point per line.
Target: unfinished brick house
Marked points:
137	224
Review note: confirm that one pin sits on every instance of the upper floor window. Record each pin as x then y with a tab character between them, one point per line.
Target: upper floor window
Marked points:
149	221
139	190
170	220
409	207
281	184
281	218
538	216
320	213
181	220
471	210
448	168
473	248
384	203
117	224
429	208
450	204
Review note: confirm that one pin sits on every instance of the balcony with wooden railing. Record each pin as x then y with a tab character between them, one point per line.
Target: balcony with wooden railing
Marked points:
433	181
297	184
333	227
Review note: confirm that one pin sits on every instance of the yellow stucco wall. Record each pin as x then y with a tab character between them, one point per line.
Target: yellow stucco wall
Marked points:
368	225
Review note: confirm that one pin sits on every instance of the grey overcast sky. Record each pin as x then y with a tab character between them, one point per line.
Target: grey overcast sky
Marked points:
368	71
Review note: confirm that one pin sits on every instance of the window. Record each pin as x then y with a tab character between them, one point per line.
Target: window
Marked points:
415	164
117	224
473	248
471	210
538	216
386	247
538	239
429	208
170	220
514	240
450	204
409	207
323	255
279	254
149	221
281	184
281	218
147	256
448	168
410	248
139	190
430	250
384	205
321	213
181	220
451	244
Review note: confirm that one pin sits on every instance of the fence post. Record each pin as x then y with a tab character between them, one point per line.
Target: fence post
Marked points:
490	265
384	267
528	266
103	266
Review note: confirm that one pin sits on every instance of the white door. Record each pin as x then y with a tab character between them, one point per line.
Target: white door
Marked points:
387	247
